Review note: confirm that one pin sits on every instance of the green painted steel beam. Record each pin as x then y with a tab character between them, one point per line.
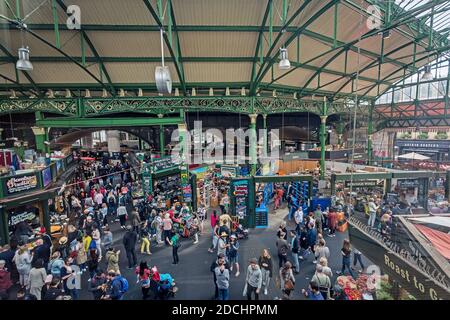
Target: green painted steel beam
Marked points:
386	78
264	69
194	28
259	43
92	47
55	23
25	73
105	122
178	53
37	36
185	59
178	66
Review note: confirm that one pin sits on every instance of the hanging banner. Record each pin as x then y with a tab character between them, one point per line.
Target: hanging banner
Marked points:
413	280
187	192
18	184
46	176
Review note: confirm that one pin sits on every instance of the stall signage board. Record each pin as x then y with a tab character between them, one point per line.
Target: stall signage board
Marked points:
360	183
228	171
46	176
18	184
160	164
262	218
416	282
408	183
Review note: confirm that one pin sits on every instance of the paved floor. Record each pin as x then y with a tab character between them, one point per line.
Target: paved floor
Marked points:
193	277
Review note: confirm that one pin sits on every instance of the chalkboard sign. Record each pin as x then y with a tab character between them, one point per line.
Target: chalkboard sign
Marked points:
161	164
262	218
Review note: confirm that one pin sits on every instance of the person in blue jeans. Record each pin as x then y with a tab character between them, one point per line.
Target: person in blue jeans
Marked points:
222	281
346	257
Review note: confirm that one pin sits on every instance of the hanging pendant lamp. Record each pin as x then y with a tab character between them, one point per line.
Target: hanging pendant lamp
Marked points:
162	74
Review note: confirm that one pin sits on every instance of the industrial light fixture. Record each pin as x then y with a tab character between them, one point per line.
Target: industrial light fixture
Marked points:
140	93
227	91
24	63
68	93
274	93
211	92
242	91
121	93
162	74
104	93
386	34
87	93
177	92
427	75
295	95
284	63
193	92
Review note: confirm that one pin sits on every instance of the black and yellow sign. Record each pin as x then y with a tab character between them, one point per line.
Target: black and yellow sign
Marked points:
411	278
22	183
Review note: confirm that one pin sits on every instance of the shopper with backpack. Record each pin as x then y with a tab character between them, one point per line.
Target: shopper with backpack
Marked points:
117	286
283	248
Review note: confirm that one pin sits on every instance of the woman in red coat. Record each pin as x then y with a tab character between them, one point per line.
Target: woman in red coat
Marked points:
332	222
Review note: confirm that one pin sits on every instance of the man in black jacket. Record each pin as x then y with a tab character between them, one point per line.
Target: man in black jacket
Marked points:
54	291
129	242
295	249
220	260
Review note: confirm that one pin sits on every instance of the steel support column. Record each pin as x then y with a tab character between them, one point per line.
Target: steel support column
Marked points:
323	122
369	133
252	144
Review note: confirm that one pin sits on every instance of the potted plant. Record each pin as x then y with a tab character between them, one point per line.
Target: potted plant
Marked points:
406	135
422	135
441	135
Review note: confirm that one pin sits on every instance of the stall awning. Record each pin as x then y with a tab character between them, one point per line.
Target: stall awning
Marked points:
439	239
437	220
413	156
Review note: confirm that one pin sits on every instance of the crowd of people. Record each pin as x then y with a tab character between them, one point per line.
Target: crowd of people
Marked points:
96	204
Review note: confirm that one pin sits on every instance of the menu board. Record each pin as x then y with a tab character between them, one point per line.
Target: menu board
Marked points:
18	184
261	218
46	176
160	164
15	217
241	194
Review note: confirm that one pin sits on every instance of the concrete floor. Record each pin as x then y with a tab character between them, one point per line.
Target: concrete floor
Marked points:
192	274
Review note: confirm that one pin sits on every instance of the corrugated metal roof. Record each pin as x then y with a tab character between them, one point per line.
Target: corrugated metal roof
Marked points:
218	72
138	72
62	73
218	44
